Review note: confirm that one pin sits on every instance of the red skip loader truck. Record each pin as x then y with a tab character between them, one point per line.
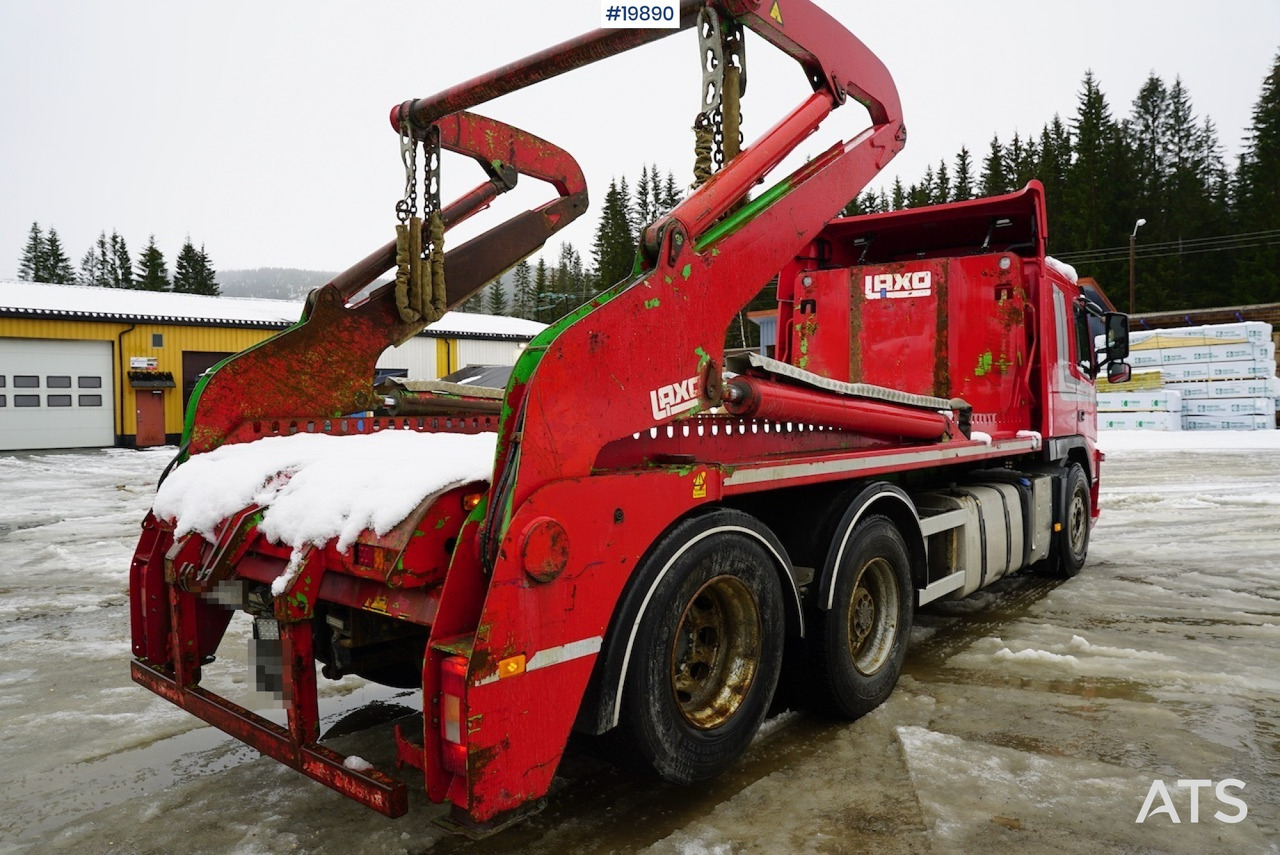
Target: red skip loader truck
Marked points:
656	523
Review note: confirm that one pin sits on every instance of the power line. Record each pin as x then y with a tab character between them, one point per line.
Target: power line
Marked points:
1189	246
1178	242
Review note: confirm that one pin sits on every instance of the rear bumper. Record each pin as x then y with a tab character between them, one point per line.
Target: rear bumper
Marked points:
372	788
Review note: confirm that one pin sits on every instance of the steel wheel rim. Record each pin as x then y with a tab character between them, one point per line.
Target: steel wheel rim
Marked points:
873	616
1076	523
716	652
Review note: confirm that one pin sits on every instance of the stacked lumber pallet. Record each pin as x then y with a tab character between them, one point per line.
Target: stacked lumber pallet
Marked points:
1215	377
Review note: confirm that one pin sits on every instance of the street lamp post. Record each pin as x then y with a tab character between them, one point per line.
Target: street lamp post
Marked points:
1133	238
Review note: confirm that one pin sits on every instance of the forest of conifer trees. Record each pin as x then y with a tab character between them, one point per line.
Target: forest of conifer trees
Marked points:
1211	237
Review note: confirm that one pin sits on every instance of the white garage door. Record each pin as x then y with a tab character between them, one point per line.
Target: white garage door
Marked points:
472	352
55	394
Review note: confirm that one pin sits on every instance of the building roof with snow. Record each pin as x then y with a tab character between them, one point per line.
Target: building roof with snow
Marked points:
37	300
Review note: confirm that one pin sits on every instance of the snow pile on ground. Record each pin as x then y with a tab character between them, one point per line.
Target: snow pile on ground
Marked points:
315	487
1220	440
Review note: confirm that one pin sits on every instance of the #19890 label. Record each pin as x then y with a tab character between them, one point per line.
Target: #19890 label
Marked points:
646	16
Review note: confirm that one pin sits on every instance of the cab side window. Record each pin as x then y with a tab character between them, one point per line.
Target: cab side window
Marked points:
1087	328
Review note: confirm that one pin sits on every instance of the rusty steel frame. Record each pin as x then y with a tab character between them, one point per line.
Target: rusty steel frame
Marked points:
372	788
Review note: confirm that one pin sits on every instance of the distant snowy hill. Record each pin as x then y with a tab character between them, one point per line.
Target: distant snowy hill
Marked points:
281	283
277	283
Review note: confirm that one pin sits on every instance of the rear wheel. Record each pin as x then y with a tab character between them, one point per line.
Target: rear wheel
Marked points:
862	639
708	652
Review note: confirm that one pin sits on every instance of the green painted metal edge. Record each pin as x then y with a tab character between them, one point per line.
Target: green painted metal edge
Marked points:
748	212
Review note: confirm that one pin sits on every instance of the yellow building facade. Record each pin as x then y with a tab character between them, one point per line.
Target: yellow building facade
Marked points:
70	354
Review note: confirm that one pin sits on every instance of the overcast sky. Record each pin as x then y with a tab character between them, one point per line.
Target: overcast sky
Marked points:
260	129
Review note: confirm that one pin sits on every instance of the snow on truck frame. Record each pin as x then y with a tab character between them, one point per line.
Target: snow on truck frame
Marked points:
634	537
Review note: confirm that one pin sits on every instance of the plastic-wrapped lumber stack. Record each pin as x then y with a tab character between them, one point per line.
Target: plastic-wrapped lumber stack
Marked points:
1225	374
1139	409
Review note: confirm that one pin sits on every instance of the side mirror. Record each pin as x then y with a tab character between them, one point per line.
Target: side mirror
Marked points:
1119	372
1117	326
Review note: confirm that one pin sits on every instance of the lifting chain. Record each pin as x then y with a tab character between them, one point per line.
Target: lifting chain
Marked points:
419	286
408	206
717	128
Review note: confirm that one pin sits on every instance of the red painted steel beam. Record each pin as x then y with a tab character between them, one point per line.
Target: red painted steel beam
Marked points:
752	396
372	788
535	68
713	199
833	57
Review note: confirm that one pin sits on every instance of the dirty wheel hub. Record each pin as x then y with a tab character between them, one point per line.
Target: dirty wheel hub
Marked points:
873	616
716	652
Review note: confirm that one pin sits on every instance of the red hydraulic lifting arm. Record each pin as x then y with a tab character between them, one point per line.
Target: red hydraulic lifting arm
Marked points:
645	352
703	263
323	366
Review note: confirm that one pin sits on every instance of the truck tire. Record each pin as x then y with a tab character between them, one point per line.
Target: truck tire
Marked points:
1073	538
707	654
860	643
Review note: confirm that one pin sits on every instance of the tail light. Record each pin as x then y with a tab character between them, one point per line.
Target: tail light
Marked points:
453	714
374	557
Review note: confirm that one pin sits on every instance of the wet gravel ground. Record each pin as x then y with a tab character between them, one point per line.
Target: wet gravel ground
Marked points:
1031	717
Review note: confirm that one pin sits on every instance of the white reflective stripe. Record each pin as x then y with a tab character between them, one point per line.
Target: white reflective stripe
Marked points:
825	467
554	656
565	652
844	540
644	604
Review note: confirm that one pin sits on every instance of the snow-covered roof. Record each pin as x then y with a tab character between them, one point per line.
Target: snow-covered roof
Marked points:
465	323
82	302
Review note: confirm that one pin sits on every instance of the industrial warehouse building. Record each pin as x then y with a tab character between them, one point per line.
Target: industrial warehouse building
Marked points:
88	367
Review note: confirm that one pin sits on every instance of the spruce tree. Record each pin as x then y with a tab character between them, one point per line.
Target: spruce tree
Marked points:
495	298
1055	158
97	265
542	292
205	278
671	195
1257	192
90	272
34	266
614	245
185	269
624	200
646	207
110	273
153	272
569	280
122	270
899	197
524	297
963	188
59	270
1093	217
1146	127
941	184
1020	162
994	179
866	203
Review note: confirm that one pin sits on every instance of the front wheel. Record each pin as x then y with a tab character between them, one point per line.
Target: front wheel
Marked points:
707	655
1073	538
861	641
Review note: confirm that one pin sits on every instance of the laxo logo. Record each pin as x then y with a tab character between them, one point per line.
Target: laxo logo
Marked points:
880	286
1160	791
674	398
